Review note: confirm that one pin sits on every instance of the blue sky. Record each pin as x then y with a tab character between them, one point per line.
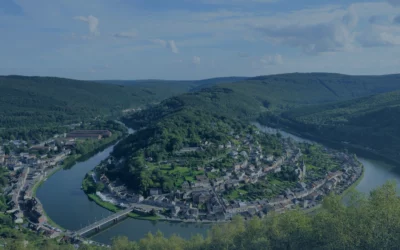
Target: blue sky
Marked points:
197	39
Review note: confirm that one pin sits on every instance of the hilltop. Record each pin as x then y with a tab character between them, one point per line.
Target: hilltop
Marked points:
34	107
179	85
286	91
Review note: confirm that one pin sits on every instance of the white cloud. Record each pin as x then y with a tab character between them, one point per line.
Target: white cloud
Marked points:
271	60
126	34
380	35
350	19
394	2
160	42
196	60
172	46
166	44
316	38
92	21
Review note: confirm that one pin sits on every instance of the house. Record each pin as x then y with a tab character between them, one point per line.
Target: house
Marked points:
218	181
135	198
193	212
301	185
200	197
252	168
253	179
252	211
104	179
232	184
244	164
201	184
269	158
185	185
89	134
155	191
241	176
201	178
40	148
175	210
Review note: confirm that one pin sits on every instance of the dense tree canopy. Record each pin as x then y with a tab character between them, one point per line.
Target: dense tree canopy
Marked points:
371	122
366	222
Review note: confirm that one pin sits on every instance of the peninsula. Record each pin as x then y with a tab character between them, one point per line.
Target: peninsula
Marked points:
202	167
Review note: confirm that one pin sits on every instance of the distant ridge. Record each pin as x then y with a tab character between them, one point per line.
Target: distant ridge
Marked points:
188	85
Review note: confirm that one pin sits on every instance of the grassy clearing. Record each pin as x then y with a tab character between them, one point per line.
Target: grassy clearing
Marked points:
237	194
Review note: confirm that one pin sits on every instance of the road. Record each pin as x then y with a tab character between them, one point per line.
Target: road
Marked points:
22	186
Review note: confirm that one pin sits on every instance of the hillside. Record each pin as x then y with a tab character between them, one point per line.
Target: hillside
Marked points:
185	84
30	106
287	91
219	101
331	106
370	122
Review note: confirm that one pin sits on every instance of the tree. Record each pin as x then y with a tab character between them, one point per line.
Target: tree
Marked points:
100	186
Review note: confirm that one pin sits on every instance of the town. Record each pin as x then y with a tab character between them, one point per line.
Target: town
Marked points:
218	194
28	166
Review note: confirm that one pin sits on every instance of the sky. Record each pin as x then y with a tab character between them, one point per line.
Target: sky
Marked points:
197	39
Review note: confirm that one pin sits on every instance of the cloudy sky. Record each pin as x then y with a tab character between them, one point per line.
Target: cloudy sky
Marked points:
197	39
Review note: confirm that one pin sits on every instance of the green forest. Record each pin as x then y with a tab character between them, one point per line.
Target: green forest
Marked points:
160	139
37	107
366	222
371	123
288	91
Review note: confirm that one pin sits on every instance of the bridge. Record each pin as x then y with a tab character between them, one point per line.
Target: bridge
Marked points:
96	226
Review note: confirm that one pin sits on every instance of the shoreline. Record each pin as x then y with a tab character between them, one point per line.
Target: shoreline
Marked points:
353	186
335	144
77	159
345	192
113	208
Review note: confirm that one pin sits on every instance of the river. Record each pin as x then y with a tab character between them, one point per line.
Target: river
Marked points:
68	206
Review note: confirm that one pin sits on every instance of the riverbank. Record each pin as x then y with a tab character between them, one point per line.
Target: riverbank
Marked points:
353	186
67	163
70	161
89	187
358	149
113	195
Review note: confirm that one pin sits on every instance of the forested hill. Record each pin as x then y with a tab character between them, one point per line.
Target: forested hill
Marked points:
286	91
176	86
277	93
371	122
218	101
329	106
32	105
